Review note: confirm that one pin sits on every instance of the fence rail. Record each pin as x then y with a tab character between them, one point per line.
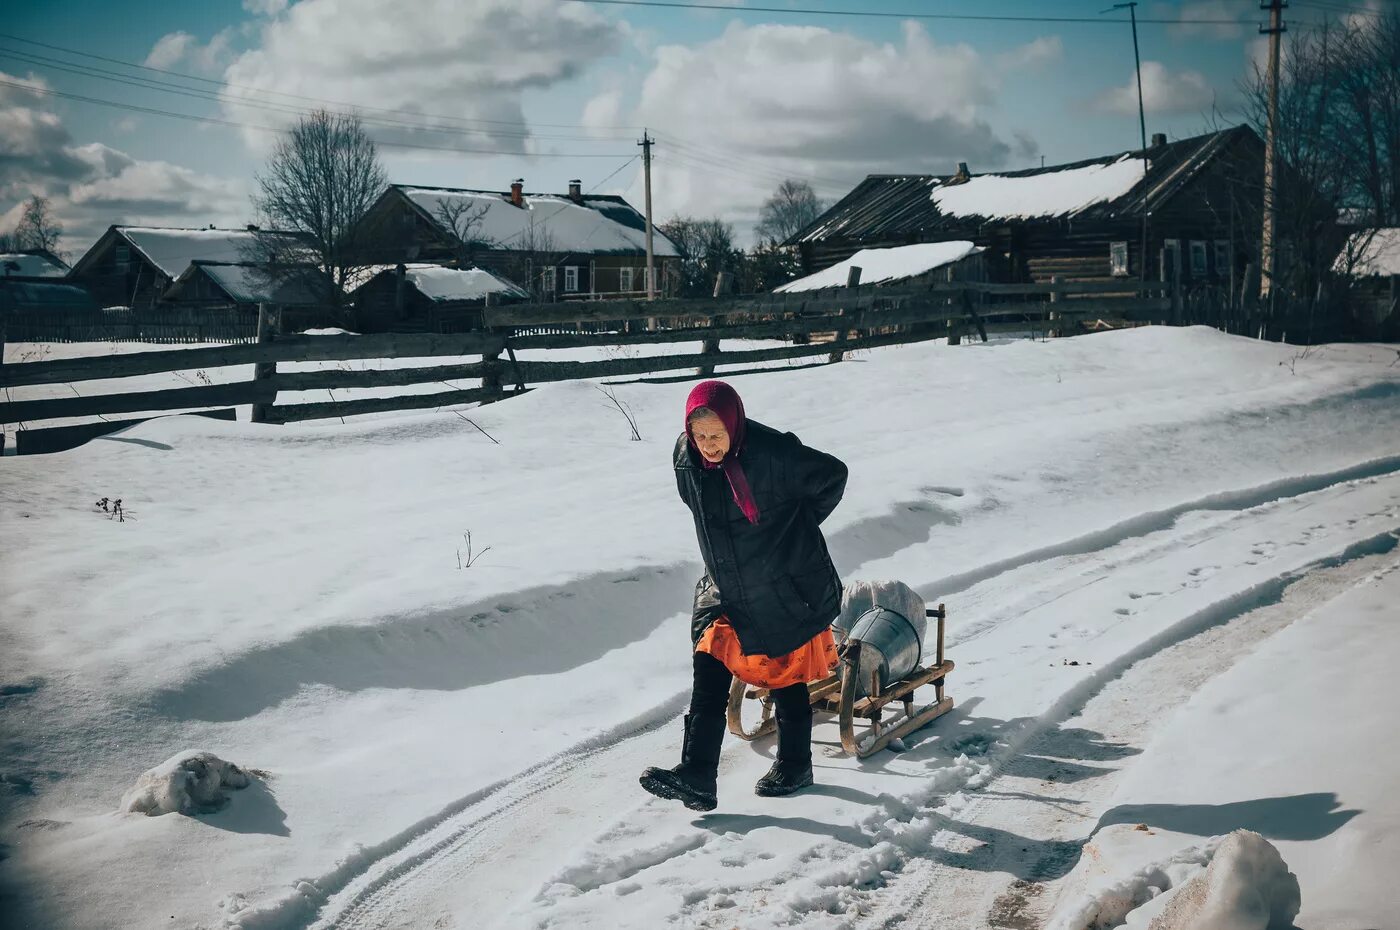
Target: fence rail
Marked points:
822	323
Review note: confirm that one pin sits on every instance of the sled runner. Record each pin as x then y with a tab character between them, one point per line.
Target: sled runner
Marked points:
860	687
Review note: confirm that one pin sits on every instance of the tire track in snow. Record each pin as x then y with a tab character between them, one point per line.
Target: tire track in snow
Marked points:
379	873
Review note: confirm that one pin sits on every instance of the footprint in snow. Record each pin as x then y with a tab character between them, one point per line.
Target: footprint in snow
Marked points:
1122	611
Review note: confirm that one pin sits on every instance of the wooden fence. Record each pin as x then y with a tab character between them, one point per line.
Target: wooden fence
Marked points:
821	326
160	325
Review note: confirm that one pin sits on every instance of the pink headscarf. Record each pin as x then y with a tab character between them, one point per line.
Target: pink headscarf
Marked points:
725	402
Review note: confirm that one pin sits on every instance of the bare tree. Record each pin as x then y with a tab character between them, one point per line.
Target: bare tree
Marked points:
534	258
38	228
793	207
319	181
706	248
464	219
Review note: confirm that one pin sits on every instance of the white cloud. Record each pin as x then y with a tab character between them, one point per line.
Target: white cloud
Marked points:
1037	53
92	185
1211	19
182	49
763	101
1163	91
474	61
264	7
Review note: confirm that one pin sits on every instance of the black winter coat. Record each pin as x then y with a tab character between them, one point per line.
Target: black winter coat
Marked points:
774	579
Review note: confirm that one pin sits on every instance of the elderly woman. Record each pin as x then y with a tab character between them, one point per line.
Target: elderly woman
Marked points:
764	607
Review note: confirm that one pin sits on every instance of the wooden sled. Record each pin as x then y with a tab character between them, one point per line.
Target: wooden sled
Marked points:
837	693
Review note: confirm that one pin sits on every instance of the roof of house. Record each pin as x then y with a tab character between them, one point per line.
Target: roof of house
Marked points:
1371	252
887	206
252	282
172	249
39	294
33	263
440	284
885	266
594	225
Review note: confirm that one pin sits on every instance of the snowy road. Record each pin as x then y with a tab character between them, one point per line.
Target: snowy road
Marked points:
1009	797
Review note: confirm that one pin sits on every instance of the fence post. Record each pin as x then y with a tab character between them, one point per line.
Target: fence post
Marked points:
1177	299
267	326
1053	317
852	282
4	319
711	346
491	377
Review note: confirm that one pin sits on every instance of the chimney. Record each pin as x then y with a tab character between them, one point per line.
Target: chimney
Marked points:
516	192
962	175
1159	139
252	227
576	190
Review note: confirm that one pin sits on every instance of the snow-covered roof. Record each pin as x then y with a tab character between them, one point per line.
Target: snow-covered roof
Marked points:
248	282
1051	193
881	266
32	265
546	222
171	250
438	283
1379	251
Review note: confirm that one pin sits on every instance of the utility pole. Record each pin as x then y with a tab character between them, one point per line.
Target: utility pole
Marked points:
1142	129
1268	258
646	145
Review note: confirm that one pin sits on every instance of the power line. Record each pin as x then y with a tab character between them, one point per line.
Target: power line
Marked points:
886	14
277	93
272	107
153	111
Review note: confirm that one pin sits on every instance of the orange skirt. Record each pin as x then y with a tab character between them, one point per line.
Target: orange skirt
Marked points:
811	661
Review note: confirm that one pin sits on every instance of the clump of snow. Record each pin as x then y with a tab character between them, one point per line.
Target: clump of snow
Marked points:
188	782
858	597
1247	886
1236	882
881	266
1049	193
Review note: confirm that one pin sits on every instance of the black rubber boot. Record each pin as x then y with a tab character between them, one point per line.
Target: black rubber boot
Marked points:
693	782
793	770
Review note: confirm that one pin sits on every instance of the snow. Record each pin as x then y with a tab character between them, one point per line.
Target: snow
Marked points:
1375	251
558	224
189	782
38	266
441	283
881	266
1169	558
1045	194
172	250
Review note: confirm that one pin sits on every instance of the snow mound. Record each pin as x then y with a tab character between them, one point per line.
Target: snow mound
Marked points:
188	782
1246	887
1235	882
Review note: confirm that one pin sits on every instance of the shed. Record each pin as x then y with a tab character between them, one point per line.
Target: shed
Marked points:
430	298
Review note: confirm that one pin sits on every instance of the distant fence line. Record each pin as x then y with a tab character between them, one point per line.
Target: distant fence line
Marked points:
822	323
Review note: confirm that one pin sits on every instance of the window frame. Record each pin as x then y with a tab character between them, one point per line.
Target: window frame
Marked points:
1224	258
548	279
626	278
1171	247
571	279
1198	249
1117	269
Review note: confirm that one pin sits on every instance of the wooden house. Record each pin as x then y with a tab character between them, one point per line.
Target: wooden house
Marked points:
1369	264
1078	221
247	284
133	266
572	246
420	297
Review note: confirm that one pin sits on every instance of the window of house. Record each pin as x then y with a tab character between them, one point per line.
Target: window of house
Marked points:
1171	259
1223	263
570	279
1198	259
1118	257
547	280
625	280
123	255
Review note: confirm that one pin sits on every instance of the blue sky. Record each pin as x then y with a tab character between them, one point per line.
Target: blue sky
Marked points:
737	98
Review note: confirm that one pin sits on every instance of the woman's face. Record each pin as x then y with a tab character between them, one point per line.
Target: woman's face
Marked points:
710	436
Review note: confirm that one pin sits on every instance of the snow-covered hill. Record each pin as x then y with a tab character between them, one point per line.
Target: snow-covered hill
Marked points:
458	746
